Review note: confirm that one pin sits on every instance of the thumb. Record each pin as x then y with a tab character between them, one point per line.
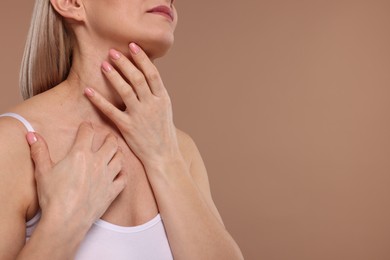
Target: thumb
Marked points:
39	152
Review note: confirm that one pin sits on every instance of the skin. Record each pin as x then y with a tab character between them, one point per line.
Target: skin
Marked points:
143	157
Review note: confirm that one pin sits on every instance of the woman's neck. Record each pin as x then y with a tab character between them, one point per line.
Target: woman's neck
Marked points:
86	72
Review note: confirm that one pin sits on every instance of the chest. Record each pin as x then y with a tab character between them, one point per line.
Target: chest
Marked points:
136	204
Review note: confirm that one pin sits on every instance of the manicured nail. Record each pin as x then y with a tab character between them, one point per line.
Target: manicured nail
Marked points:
89	92
134	48
114	54
106	66
31	138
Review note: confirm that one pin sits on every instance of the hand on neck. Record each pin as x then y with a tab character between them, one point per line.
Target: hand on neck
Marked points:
86	72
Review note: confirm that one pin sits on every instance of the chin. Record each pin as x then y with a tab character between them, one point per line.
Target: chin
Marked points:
158	46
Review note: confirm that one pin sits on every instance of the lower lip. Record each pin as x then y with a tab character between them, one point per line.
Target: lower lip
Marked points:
163	14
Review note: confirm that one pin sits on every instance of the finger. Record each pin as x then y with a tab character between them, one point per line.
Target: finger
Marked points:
127	93
84	137
131	73
118	184
116	165
103	105
109	148
39	153
149	70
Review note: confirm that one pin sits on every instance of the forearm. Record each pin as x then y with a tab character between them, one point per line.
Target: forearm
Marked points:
194	232
54	238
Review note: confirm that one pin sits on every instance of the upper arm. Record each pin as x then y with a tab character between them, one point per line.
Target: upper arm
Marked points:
197	169
15	188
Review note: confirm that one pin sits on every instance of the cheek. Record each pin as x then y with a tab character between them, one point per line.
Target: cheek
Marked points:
116	25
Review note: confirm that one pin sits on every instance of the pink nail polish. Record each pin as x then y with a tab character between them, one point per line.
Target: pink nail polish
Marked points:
114	54
89	92
31	138
134	48
106	66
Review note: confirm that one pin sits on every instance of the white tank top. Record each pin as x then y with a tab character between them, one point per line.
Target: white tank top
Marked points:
108	241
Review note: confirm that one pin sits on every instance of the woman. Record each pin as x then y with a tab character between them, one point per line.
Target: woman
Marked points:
110	175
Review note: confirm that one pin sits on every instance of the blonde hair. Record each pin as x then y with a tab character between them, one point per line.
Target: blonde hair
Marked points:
48	52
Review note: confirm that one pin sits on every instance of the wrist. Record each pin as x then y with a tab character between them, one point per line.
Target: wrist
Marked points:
167	165
60	235
74	224
168	158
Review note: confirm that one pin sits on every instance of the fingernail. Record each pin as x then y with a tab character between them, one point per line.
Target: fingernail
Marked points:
134	48
106	66
114	54
31	138
89	92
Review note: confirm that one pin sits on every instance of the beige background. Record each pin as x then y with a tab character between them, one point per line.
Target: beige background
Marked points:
288	102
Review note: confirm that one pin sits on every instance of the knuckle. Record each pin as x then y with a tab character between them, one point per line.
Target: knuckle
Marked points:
120	160
123	182
112	138
79	155
154	76
127	91
138	79
115	167
86	127
120	154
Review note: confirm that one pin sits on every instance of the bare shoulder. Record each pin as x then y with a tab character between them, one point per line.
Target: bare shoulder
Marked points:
197	169
16	186
16	167
192	156
12	139
184	137
187	145
194	160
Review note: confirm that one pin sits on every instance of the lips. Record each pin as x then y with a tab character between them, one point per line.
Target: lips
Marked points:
163	10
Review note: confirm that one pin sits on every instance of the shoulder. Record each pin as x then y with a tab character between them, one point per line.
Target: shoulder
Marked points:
187	145
17	187
16	167
197	169
14	149
192	156
12	134
183	136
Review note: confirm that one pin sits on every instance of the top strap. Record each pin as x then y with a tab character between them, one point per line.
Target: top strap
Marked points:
21	119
